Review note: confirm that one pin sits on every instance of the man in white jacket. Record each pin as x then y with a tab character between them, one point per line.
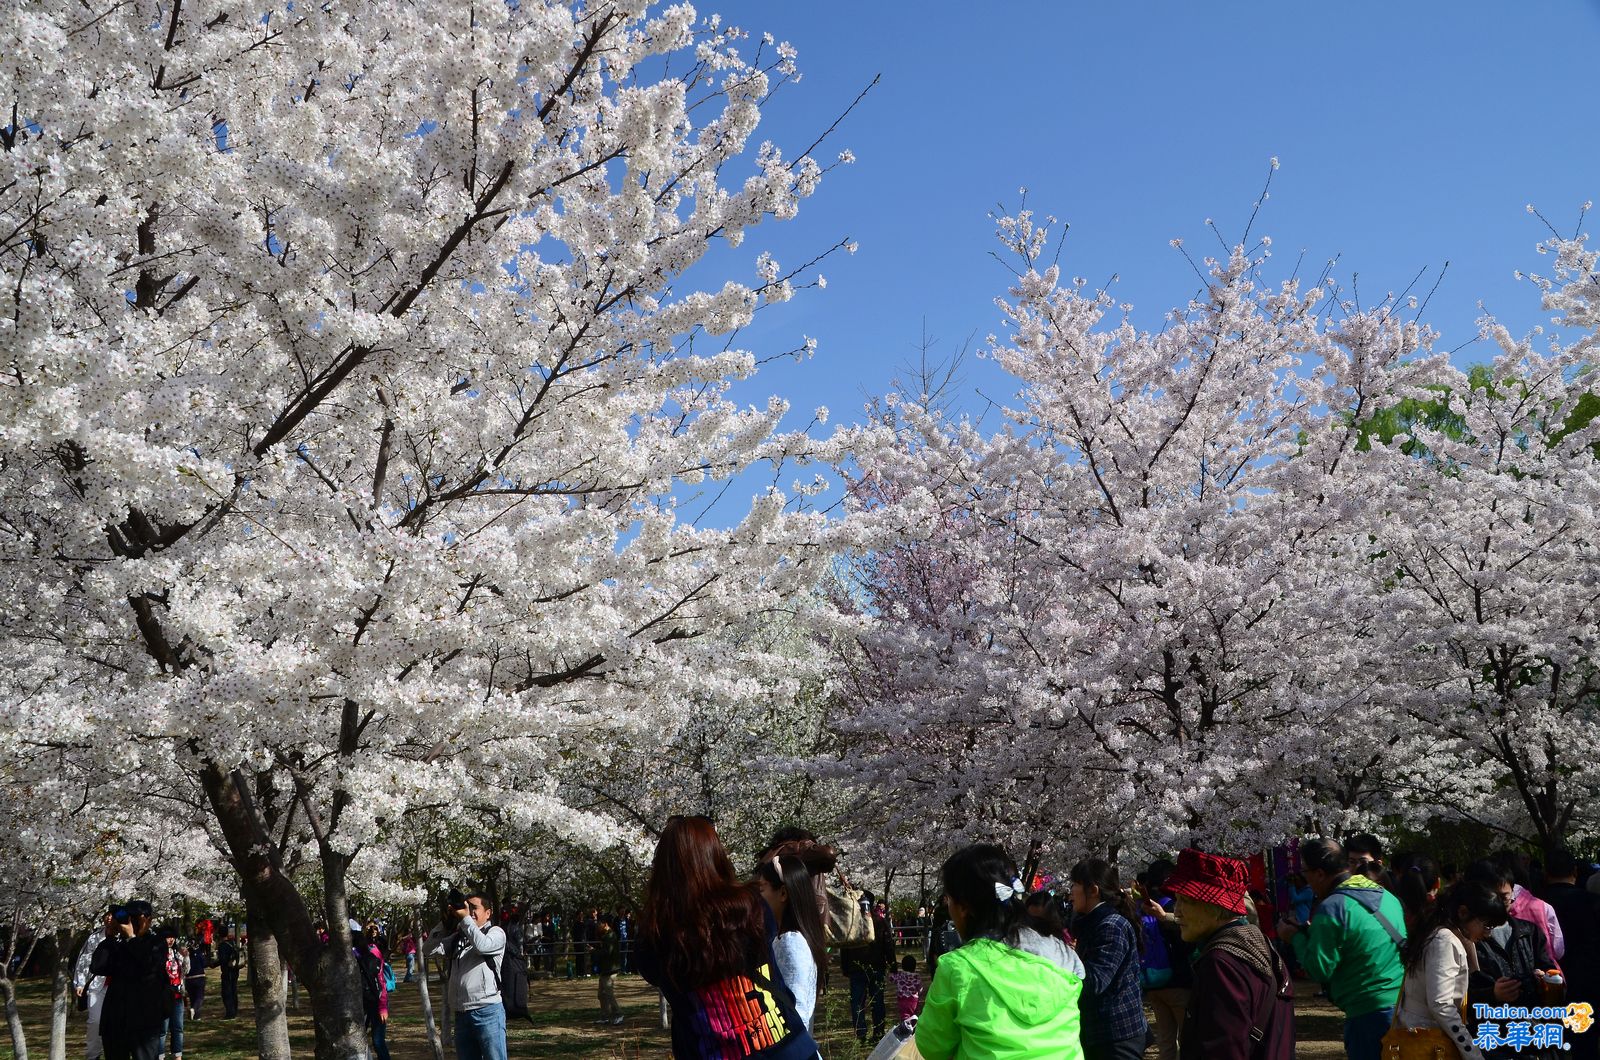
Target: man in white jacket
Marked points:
473	947
91	986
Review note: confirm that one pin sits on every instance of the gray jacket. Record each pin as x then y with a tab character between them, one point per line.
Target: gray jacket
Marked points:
1051	949
474	958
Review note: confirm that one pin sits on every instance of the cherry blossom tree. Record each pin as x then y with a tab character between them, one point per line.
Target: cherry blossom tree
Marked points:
754	759
1488	542
752	762
1130	619
350	371
77	844
1274	567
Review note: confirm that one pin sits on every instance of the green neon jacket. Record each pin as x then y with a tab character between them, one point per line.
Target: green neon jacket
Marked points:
990	1001
1348	948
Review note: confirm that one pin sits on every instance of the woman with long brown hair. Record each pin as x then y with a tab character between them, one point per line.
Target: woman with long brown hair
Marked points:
705	940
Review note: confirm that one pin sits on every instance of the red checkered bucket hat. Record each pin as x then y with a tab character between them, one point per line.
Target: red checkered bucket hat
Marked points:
1210	878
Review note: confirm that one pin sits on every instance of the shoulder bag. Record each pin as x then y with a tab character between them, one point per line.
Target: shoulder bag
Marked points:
848	924
1419	1043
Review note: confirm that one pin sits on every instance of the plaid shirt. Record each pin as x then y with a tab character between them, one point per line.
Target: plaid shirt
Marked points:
1112	1001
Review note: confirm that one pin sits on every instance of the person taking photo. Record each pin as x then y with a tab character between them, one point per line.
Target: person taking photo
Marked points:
1352	945
472	946
133	1017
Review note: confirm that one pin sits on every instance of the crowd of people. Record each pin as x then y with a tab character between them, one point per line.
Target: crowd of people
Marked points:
1406	953
140	984
1190	960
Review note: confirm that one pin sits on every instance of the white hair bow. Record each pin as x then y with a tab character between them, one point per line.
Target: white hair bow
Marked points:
1004	892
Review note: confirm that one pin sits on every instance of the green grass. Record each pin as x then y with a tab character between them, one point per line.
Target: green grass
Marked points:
562	1025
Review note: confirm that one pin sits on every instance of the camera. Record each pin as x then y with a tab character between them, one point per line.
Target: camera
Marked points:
120	914
454	903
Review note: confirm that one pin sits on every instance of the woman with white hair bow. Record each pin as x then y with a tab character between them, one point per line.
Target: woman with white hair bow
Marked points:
798	949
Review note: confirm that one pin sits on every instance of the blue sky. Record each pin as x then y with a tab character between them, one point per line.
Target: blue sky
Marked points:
1409	134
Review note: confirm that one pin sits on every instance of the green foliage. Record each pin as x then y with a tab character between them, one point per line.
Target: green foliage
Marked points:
1434	414
1582	414
1410	413
1450	841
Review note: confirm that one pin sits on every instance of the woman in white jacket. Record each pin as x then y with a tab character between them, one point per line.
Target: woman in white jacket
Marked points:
1440	955
798	949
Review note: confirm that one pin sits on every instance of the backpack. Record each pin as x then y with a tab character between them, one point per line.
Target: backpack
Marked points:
1155	961
370	970
513	984
388	977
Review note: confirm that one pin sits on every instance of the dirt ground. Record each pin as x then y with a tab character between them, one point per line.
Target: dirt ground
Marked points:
562	1025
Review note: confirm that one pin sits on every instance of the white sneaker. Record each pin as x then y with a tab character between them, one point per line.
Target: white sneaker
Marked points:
617	1022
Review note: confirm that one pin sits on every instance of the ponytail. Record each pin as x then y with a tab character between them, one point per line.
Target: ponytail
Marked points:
1415	885
977	876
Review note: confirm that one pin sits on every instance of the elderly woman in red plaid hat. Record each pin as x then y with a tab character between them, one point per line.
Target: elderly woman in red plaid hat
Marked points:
1242	1003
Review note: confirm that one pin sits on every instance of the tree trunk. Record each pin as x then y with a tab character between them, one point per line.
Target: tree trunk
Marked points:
8	986
267	989
337	1012
1030	865
491	889
435	1042
328	972
61	995
19	1037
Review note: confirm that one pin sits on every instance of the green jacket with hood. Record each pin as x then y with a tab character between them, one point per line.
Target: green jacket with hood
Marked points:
1349	949
990	1001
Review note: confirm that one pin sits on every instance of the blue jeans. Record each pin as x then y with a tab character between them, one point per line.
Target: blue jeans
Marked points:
379	1031
865	986
1363	1034
481	1033
174	1025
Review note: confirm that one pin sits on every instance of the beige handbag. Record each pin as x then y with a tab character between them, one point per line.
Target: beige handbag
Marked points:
848	924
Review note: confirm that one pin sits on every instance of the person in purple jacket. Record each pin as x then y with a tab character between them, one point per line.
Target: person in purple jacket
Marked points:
1241	1006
